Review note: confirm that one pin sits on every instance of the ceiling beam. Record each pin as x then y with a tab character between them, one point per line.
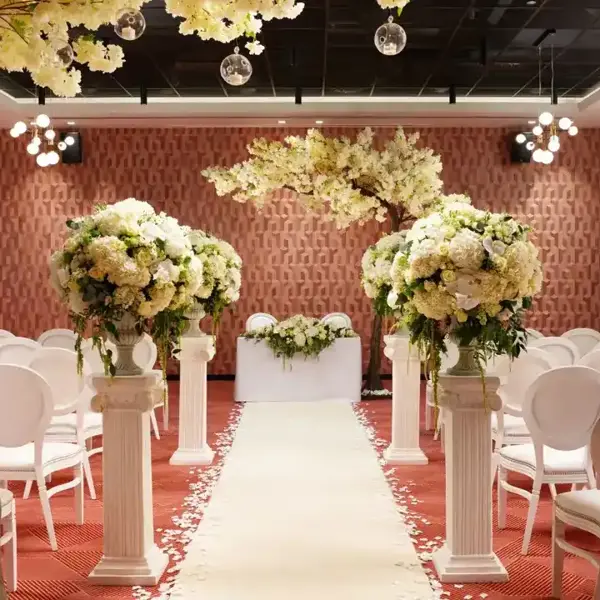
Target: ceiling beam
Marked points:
325	47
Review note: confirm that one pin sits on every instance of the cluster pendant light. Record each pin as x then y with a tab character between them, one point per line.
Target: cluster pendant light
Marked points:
42	141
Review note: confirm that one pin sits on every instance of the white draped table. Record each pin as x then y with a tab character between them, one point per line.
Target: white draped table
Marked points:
335	375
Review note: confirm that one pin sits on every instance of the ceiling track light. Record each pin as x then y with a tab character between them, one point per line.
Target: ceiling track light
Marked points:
452	94
143	94
298	99
41	96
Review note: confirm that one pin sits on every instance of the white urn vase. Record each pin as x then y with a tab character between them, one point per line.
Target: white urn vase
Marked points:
125	343
194	315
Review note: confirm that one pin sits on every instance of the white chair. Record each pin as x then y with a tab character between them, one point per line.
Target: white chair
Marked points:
91	355
26	406
448	360
6	334
534	334
585	339
580	509
561	348
9	538
258	320
508	425
17	350
58	367
560	410
58	338
591	359
337	320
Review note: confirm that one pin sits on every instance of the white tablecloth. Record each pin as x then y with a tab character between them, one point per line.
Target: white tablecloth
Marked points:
335	375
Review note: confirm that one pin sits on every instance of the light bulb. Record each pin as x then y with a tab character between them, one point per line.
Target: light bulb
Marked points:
33	148
573	130
69	140
42	160
236	69
50	134
530	146
520	139
61	146
130	24
390	38
537	130
53	157
565	123
14	133
548	157
546	118
554	144
20	127
36	140
42	121
538	155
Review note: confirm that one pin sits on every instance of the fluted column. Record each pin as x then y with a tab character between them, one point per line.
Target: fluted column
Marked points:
193	448
468	556
130	555
406	401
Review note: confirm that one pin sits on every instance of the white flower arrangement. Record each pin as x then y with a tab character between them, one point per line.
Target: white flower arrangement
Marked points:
389	4
469	274
299	335
227	20
222	274
125	258
354	180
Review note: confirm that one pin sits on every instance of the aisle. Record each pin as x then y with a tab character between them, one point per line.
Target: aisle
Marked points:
302	512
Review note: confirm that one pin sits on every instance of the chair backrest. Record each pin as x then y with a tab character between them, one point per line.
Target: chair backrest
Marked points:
58	338
337	320
561	348
258	320
585	339
25	405
534	334
58	367
523	371
562	407
145	353
17	350
92	357
6	334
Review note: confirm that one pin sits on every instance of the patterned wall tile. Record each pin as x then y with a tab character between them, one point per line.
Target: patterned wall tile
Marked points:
293	261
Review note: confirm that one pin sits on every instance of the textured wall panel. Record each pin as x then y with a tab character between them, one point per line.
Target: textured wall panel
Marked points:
293	261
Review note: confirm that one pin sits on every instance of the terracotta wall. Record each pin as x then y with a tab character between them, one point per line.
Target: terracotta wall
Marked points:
293	261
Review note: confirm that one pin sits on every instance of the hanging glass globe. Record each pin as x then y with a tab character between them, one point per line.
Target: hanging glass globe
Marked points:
61	146
42	160
537	130
530	145
546	118
236	69
565	123
32	148
573	130
390	38
554	144
520	139
130	24
63	53
538	155
53	157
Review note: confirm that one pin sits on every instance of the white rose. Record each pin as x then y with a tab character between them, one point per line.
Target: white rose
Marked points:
300	340
151	232
76	302
392	299
166	271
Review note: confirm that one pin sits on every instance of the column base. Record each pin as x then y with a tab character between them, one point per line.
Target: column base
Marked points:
468	569
128	571
405	456
204	456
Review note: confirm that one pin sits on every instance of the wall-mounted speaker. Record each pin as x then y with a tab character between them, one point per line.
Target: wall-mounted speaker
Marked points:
72	154
519	152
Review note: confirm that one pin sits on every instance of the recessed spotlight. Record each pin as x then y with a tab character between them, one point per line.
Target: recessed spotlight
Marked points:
70	122
282	122
319	122
531	2
532	122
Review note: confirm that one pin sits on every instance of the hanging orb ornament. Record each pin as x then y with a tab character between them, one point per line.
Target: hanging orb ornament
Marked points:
63	53
236	69
130	24
390	38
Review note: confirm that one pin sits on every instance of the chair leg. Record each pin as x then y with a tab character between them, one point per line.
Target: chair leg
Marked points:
41	482
27	491
10	564
88	475
166	413
428	416
553	490
495	461
533	504
501	497
558	556
79	492
154	424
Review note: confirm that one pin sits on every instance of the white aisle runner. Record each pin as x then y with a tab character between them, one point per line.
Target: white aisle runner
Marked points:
302	511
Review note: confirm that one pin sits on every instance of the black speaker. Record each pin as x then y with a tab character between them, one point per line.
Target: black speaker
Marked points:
519	152
73	153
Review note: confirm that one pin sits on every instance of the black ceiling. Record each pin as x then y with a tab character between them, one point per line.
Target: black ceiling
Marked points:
483	47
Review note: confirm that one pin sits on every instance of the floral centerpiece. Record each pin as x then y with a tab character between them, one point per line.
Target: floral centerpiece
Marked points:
222	277
125	270
299	335
468	274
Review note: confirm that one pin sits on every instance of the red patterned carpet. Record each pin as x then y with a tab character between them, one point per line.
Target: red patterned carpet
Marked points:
47	575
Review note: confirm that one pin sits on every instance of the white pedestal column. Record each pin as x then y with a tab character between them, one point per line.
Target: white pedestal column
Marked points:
468	556
130	555
406	400
193	448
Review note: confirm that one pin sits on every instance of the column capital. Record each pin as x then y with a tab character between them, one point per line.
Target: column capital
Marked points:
197	349
459	393
138	392
398	347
